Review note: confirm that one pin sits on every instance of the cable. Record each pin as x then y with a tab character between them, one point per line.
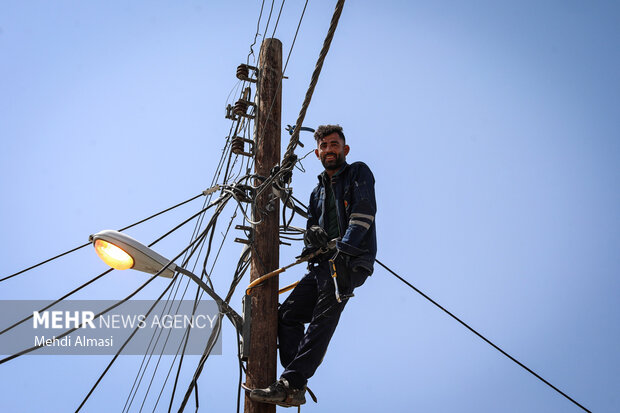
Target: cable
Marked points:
481	336
44	262
198	296
28	350
161	212
278	19
141	372
242	266
210	228
57	301
295	37
234	282
227	299
211	342
148	353
169	371
193	246
260	137
202	211
269	18
161	354
102	274
286	165
257	32
315	77
88	243
207	351
122	347
215	178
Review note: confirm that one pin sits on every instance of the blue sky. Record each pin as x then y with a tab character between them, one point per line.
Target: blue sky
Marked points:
492	131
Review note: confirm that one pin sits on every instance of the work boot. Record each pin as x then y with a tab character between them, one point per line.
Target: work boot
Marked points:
279	393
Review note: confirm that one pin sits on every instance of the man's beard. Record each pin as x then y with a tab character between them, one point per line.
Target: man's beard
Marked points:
333	163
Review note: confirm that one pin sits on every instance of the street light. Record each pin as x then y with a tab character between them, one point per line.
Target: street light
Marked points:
122	252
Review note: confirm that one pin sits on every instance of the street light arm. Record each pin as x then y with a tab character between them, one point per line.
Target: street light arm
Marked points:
234	317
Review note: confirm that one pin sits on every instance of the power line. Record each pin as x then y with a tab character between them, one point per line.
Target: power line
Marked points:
149	353
45	262
287	162
193	246
269	18
57	301
236	278
260	138
199	294
30	349
278	19
88	243
141	373
210	228
242	267
100	275
295	37
102	375
244	126
260	15
481	336
315	78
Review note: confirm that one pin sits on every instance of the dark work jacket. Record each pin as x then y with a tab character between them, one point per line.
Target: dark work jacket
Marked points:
354	193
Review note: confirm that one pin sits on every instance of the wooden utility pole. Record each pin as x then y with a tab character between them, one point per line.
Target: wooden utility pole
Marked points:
261	371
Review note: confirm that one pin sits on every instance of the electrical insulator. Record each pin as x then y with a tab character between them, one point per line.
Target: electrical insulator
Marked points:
241	108
237	146
243	72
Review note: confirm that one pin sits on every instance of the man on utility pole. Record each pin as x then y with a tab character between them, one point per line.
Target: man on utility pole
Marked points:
342	208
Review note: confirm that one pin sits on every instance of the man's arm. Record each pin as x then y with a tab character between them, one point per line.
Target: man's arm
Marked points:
363	210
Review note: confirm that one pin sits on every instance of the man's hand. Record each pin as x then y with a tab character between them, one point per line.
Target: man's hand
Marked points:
316	237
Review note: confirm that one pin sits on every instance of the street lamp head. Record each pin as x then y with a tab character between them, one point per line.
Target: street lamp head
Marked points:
112	255
122	252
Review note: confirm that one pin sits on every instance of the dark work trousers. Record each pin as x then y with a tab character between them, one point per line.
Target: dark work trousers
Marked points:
312	301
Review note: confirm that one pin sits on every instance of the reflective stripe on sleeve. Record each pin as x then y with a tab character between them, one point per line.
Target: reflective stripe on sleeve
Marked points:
361	223
364	216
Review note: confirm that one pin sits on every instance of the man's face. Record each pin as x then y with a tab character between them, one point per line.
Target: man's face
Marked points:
332	151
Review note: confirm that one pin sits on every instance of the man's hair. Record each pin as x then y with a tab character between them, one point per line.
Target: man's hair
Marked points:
324	130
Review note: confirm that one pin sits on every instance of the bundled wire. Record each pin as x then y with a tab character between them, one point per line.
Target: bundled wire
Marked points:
88	243
182	345
194	246
86	284
240	191
30	349
230	191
